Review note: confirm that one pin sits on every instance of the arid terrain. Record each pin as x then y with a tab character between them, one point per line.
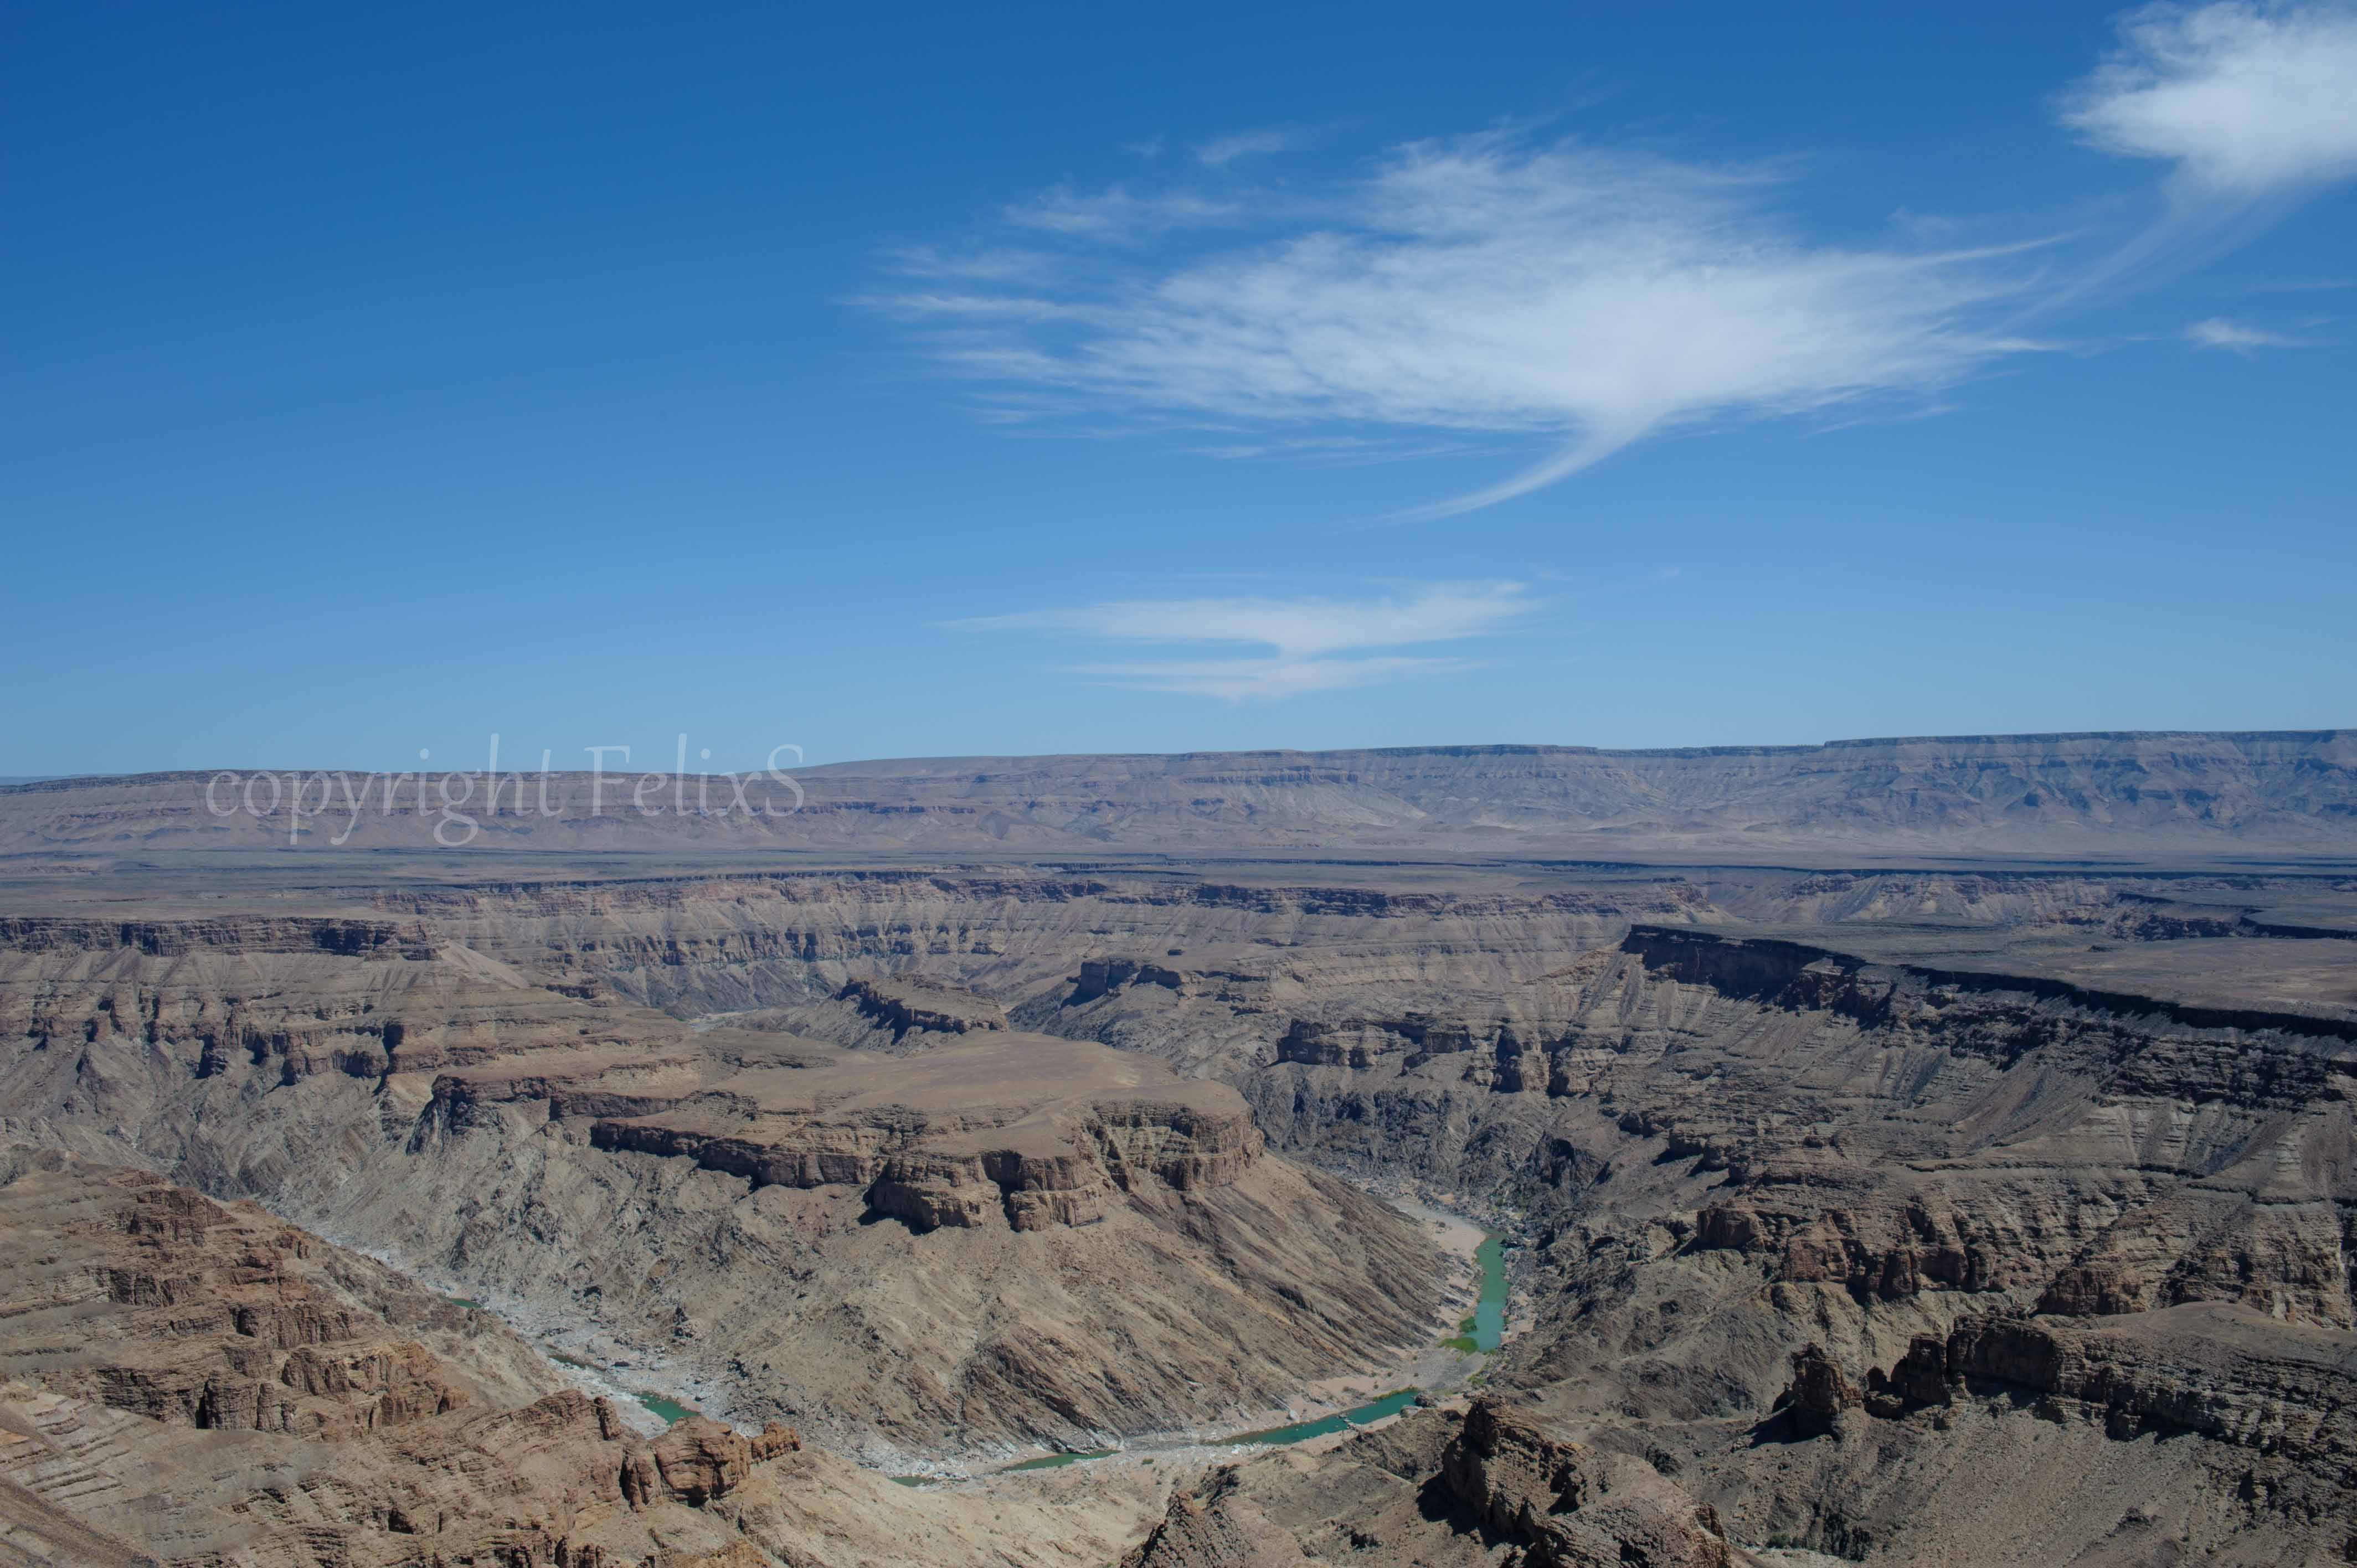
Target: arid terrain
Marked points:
1927	1152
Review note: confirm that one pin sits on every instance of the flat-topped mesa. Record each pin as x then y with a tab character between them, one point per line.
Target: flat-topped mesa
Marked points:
648	1065
1023	1129
580	1083
243	933
902	1006
1902	991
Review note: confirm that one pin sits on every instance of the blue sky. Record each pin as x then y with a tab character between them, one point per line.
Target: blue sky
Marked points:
897	382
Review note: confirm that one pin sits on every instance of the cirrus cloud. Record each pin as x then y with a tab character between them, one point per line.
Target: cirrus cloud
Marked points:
1480	285
1462	292
1314	644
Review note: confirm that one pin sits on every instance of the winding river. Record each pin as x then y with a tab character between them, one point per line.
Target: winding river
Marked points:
1482	1333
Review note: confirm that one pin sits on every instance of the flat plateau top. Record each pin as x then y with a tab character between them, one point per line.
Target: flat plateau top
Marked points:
989	1079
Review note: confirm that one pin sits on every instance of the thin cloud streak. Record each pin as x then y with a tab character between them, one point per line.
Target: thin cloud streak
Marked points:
2218	332
1245	680
1117	215
1226	150
1317	644
989	266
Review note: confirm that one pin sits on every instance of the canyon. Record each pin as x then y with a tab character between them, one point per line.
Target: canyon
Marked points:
1891	1170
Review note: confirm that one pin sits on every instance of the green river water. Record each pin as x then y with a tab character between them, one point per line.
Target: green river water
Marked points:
671	1410
1483	1333
1490	1313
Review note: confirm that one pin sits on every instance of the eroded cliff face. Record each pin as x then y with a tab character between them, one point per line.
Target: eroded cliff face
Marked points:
2015	1215
910	1254
192	1384
909	1304
1441	1489
149	1298
2024	1219
2086	1152
1038	1130
2015	1198
327	1433
971	943
1893	1129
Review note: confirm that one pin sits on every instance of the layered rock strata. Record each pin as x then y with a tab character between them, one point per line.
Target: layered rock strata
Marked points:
2224	792
914	1254
1440	1489
134	1305
2014	1149
1024	1130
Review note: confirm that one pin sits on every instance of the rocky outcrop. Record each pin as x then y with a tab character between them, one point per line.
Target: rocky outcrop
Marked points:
1103	976
1819	1395
525	1470
1216	1525
697	1460
148	1298
1027	1130
1568	1505
1440	1490
236	933
902	1005
1948	1004
1504	1060
1887	1250
2213	1372
141	1303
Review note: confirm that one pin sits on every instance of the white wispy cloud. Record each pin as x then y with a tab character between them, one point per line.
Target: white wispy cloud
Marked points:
995	265
1226	150
1484	284
2251	105
1493	289
1244	680
2218	332
2247	101
1116	214
1314	644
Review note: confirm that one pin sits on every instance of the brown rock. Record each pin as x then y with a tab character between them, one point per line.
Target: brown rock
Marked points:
1571	1507
1819	1394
